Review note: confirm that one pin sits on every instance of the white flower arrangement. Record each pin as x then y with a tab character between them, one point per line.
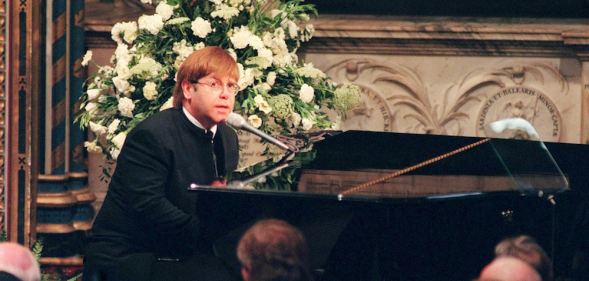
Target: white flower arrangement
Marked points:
278	94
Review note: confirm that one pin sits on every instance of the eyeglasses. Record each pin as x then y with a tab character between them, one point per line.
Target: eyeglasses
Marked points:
217	87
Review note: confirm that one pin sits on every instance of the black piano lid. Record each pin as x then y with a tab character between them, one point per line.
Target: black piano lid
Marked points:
336	167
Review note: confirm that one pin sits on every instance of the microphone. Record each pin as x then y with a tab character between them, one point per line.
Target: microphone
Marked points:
238	122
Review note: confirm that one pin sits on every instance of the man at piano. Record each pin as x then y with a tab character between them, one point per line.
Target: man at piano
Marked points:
149	227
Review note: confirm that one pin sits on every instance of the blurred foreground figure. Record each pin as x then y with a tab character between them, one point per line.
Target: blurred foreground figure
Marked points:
18	263
509	269
273	250
526	249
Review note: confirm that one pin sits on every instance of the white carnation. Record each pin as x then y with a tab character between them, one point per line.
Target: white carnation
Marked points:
255	121
308	70
97	129
126	106
87	58
246	77
114	126
307	93
225	12
265	53
262	104
164	10
153	24
122	85
122	54
295	118
271	78
201	27
265	107
92	146
307	124
122	70
240	37
147	66
128	30
255	42
150	91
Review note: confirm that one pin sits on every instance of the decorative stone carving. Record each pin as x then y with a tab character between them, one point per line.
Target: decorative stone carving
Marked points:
458	98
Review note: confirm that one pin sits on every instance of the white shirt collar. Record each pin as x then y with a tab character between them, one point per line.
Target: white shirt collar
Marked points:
198	124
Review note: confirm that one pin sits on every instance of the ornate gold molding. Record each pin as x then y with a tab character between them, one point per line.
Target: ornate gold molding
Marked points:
3	150
450	36
20	157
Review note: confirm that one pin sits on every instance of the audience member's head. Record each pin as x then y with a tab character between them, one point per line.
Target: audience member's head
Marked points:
273	250
525	248
506	268
18	263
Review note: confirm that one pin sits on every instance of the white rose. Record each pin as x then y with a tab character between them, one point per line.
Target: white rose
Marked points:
307	124
150	91
164	10
153	24
113	126
201	27
87	58
126	106
93	93
307	93
146	1
255	121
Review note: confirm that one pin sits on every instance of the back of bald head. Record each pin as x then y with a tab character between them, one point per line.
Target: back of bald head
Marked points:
509	269
19	262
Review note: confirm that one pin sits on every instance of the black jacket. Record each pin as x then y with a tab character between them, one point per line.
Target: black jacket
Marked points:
148	208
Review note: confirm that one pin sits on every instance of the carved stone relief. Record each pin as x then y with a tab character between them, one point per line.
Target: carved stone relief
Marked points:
459	96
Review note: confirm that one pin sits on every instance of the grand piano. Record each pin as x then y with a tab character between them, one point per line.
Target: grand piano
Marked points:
389	206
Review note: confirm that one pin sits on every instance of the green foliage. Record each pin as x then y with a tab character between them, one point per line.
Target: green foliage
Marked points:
263	38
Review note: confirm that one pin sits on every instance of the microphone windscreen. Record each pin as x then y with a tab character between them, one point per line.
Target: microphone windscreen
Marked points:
235	120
